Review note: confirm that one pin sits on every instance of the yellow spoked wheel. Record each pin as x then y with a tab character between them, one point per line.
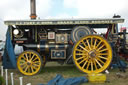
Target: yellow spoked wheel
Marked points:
92	54
29	62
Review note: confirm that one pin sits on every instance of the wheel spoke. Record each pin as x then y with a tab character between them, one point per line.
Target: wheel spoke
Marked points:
95	65
103	54
102	57
83	48
79	50
26	56
88	45
91	66
95	43
80	58
85	63
98	63
24	66
25	63
34	59
100	47
26	69
88	65
29	68
22	61
30	56
36	62
99	44
103	50
84	43
81	54
83	60
100	60
34	67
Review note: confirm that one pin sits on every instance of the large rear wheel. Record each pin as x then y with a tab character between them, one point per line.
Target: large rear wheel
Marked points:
29	62
92	54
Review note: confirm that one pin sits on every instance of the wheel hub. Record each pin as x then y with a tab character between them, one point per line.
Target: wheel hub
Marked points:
29	63
92	53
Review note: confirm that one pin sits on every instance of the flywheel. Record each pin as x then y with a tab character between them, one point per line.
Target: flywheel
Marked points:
92	54
29	62
80	31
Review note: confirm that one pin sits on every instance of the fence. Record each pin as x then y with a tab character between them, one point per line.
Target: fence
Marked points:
12	77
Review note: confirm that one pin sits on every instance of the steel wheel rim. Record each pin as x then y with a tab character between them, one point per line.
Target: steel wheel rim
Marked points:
92	54
29	63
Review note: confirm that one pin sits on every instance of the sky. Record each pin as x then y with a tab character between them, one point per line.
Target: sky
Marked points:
20	9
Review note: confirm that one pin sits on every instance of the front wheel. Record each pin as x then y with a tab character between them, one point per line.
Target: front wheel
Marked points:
92	54
29	62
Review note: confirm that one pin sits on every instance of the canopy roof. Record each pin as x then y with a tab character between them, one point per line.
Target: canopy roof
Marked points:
65	21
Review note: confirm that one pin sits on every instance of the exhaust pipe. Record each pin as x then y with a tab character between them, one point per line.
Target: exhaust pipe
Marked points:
33	9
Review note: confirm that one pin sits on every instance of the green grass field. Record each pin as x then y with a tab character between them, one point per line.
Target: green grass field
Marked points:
52	69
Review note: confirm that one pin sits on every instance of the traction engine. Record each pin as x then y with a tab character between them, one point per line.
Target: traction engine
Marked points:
64	41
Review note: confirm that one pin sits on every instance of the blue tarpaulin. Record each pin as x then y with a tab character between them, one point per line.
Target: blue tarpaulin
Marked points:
9	58
59	80
119	64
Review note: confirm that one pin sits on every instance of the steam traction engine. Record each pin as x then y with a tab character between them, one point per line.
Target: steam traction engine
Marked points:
64	41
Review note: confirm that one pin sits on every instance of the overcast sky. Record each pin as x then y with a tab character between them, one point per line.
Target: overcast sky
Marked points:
20	9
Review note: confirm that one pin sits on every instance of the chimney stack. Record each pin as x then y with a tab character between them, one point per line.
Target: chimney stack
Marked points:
33	9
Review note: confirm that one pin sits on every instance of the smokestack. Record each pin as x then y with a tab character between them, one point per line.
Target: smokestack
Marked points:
33	9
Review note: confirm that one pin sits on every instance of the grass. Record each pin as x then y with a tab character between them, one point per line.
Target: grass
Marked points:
52	69
2	81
